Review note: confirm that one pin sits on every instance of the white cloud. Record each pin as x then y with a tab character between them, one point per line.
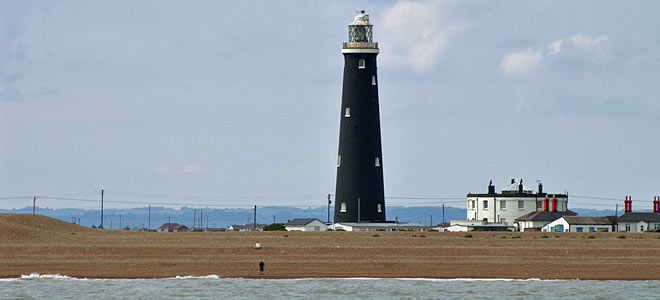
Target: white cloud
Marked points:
586	42
415	34
555	47
190	170
521	61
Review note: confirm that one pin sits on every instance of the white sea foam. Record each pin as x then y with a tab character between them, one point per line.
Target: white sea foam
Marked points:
48	276
212	276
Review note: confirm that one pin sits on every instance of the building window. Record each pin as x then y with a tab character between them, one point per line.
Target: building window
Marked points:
348	112
521	204
502	204
539	205
578	229
361	64
377	161
641	229
343	207
339	160
485	204
474	204
373	80
380	208
628	227
317	228
503	220
591	229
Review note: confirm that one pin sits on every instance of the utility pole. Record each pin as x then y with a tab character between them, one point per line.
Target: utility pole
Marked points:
149	224
443	214
34	203
255	218
101	209
273	218
119	222
329	202
201	218
194	216
431	220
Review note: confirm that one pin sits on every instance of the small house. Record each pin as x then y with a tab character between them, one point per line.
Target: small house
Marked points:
305	224
581	224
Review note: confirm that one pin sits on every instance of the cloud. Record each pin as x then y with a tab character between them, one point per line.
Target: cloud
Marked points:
586	42
526	60
521	61
415	34
163	171
190	170
555	48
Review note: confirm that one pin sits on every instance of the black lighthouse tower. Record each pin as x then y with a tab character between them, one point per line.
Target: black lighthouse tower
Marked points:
359	195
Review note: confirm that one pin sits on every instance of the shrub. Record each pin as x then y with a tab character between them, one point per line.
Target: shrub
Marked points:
375	235
503	237
545	237
516	237
275	227
422	235
414	235
622	236
286	235
591	237
468	236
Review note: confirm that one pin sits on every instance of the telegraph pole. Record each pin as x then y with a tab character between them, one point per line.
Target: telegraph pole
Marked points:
201	218
194	220
255	218
34	203
101	209
149	224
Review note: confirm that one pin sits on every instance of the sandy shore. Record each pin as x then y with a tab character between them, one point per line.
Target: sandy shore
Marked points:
38	244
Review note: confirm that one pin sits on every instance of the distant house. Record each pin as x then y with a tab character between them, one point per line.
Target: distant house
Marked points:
379	226
640	221
126	228
581	224
305	224
246	227
476	225
172	227
533	221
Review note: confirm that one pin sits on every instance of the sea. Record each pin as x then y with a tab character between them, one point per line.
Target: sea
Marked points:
36	286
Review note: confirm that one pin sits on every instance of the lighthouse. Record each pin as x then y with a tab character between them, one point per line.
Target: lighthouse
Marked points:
359	195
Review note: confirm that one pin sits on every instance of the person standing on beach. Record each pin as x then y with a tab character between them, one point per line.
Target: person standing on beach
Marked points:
261	268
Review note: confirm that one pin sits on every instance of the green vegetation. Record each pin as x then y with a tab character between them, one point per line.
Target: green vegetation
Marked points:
591	237
545	237
375	235
275	227
286	235
468	236
516	237
422	235
622	236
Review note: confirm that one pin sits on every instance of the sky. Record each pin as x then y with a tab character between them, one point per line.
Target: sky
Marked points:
238	102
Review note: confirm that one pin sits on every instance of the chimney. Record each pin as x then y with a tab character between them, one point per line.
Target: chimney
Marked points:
656	204
540	188
513	181
628	204
554	204
491	188
520	187
546	204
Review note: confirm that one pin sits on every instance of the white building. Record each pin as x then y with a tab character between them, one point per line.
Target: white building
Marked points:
379	226
535	220
515	201
478	225
640	221
305	224
581	224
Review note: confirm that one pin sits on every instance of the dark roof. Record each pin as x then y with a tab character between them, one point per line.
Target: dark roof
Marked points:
541	215
575	220
173	226
301	221
540	196
640	216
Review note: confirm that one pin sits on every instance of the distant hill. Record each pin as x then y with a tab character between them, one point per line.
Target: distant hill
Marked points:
222	218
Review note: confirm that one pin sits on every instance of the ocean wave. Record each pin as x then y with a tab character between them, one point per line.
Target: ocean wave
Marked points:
212	276
49	276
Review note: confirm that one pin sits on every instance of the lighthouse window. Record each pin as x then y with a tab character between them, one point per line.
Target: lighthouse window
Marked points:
373	80
377	161
361	64
343	207
380	208
348	112
339	160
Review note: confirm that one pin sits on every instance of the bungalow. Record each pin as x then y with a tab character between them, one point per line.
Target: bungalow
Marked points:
640	221
533	221
172	227
581	224
394	226
246	227
476	225
305	224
